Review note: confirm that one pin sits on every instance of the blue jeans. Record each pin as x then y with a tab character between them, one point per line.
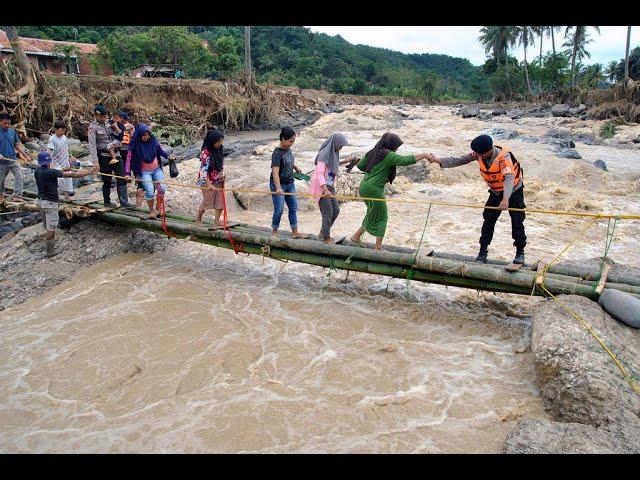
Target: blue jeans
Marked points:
147	179
278	205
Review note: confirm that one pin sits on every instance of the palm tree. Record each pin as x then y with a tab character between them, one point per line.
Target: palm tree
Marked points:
525	38
577	41
552	29
626	56
593	75
612	71
498	40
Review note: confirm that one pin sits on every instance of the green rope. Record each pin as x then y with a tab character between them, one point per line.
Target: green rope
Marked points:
608	240
415	257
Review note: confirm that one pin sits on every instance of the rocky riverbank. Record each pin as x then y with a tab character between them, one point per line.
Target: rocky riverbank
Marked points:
593	408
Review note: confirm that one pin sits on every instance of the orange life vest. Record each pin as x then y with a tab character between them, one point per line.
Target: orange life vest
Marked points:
501	166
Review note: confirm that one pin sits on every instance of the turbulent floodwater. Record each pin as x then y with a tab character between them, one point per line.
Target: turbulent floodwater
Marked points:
198	350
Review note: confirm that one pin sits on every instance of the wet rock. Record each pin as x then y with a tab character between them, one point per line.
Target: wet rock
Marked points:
601	165
498	111
577	378
469	111
546	436
560	110
515	114
568	153
418	172
503	134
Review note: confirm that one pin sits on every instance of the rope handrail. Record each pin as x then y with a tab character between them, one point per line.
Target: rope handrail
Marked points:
393	200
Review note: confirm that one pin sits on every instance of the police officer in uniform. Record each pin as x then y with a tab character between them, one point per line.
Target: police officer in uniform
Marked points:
101	133
503	174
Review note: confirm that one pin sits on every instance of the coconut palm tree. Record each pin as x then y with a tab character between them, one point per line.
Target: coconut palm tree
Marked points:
592	75
612	71
626	56
525	38
577	39
498	40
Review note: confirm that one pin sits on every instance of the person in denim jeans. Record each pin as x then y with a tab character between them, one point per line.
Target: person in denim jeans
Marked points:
144	159
282	181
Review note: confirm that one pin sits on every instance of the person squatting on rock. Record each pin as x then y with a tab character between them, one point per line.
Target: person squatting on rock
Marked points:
211	176
143	159
503	174
47	183
58	148
100	136
379	165
10	145
281	181
323	182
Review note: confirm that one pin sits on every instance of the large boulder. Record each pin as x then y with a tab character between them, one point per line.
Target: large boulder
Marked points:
33	146
73	141
470	111
534	435
503	134
593	407
560	110
418	172
498	111
581	108
601	165
515	113
578	380
568	153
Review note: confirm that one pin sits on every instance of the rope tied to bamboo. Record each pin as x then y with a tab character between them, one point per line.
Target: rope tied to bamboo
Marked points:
608	240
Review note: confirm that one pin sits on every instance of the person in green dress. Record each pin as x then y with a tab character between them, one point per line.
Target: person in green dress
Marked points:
379	165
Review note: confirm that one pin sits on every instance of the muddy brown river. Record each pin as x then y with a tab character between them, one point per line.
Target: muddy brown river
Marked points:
197	350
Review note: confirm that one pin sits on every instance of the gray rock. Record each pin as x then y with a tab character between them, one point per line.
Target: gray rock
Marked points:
45	137
578	380
73	141
33	146
352	121
560	110
568	153
622	306
78	151
601	165
469	111
637	139
503	134
499	111
581	108
418	172
514	114
546	436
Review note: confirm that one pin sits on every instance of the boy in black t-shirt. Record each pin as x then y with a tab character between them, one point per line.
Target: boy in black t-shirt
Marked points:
47	182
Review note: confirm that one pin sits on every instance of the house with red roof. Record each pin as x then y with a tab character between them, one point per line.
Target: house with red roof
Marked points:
49	55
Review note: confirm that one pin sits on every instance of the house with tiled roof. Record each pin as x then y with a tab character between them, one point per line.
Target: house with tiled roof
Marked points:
47	55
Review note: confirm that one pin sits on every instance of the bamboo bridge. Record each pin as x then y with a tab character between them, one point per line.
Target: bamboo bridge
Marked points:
422	264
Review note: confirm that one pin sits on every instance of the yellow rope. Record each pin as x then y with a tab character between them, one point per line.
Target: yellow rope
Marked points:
393	200
618	363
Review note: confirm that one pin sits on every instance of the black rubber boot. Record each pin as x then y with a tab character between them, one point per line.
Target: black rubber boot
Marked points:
482	255
123	196
519	257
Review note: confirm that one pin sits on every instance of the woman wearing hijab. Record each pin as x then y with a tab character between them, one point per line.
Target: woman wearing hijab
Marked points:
144	159
323	182
379	165
211	176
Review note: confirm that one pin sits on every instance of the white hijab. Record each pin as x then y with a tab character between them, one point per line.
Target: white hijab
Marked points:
328	154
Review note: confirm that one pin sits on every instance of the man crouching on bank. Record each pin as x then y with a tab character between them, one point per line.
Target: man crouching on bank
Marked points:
503	174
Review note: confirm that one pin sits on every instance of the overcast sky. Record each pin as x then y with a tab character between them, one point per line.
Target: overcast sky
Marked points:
463	41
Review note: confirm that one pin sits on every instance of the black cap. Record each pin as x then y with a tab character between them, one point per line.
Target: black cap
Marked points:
482	144
100	109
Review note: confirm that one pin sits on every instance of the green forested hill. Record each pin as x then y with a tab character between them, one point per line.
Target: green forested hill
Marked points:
297	56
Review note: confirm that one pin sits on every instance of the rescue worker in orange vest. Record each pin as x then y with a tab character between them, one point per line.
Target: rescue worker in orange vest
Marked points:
503	174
